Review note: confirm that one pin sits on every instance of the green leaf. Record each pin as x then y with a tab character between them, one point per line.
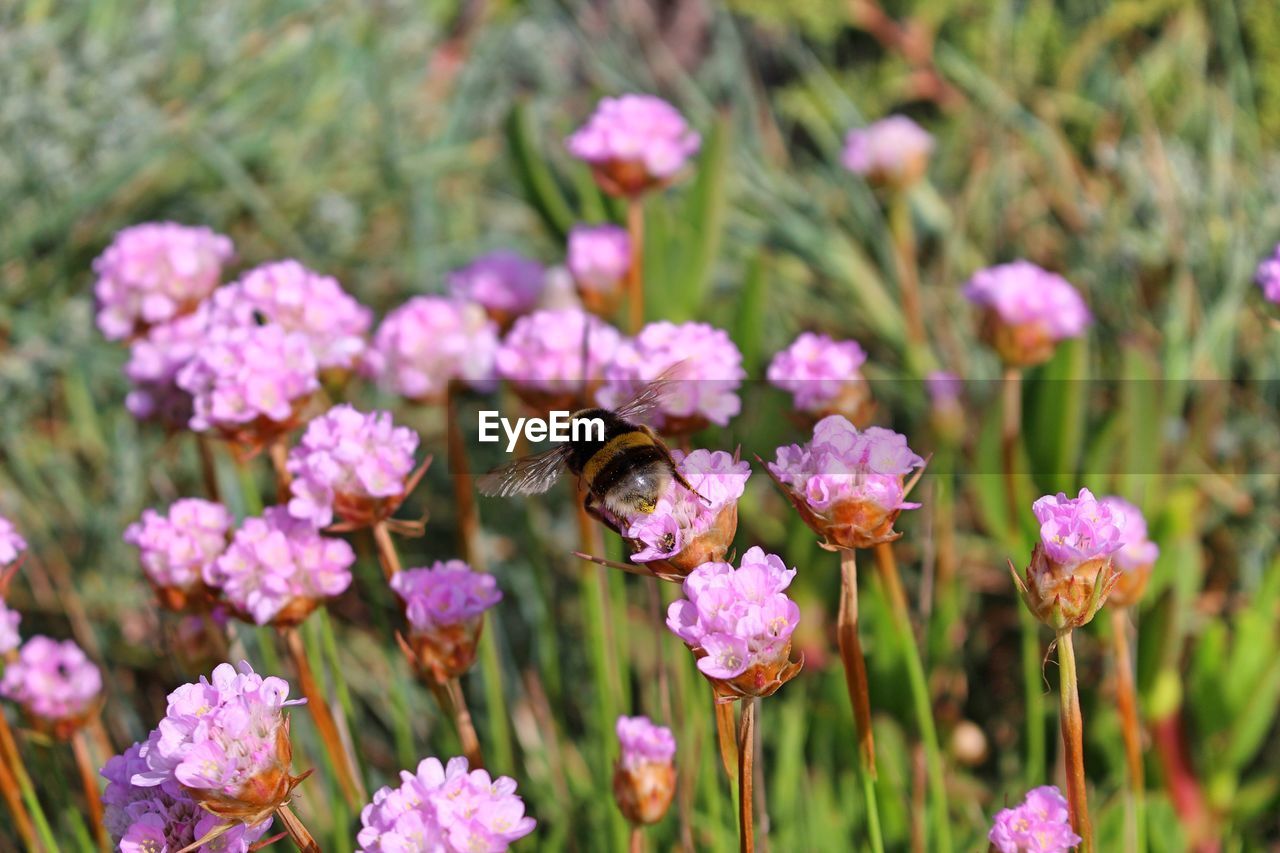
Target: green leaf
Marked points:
1053	420
749	320
539	184
703	219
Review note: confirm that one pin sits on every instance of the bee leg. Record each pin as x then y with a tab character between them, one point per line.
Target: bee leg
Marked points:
671	460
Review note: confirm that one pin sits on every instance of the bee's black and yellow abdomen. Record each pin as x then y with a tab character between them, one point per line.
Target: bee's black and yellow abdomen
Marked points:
625	455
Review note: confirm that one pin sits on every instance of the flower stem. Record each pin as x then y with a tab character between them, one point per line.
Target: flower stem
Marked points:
387	554
1073	741
297	830
9	753
635	272
208	469
278	450
13	799
636	843
454	703
725	734
746	758
1127	700
855	667
888	569
89	780
317	704
904	244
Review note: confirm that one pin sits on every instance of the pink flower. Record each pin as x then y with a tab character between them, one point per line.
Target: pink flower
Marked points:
644	743
682	517
154	272
944	388
557	354
634	142
505	283
1135	557
154	363
299	300
894	150
1268	277
1040	825
178	550
599	257
1076	530
444	809
245	376
739	620
11	542
164	816
10	639
822	374
445	606
709	377
429	342
350	464
644	777
278	568
53	681
1028	310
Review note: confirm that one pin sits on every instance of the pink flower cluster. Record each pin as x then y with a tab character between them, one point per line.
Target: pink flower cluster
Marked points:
162	817
220	735
555	351
741	618
709	376
429	341
154	272
599	256
178	550
154	363
299	300
1076	530
635	133
815	369
1268	276
11	542
893	150
504	282
53	681
348	459
1137	550
643	742
243	373
275	561
1039	825
1021	293
681	516
10	639
447	593
446	809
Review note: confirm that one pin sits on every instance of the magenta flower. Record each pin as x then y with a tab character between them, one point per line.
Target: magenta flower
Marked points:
893	151
445	606
824	376
429	342
445	809
644	743
299	300
1080	529
248	382
710	374
552	358
1040	825
10	639
154	272
849	486
633	143
162	817
350	464
225	741
1027	310
644	777
154	363
599	257
177	550
739	622
504	283
1135	557
944	388
54	682
278	568
1268	277
11	542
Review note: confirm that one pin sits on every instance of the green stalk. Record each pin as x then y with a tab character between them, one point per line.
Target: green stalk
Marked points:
1073	741
495	700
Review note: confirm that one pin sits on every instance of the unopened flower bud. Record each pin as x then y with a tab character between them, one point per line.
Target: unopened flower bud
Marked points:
644	777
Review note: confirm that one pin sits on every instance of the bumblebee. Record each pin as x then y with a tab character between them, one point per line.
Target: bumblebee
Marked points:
625	471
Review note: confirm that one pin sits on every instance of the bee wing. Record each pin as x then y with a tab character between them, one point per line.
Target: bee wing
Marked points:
650	396
529	475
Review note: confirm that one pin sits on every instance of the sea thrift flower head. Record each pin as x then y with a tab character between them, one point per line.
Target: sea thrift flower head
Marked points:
644	777
1268	277
1040	825
1072	571
249	383
739	622
709	374
599	258
555	359
55	683
504	283
1135	557
634	143
164	817
154	362
429	342
824	377
354	466
689	528
278	569
892	152
445	606
178	549
1027	311
10	639
226	742
299	300
11	543
154	272
848	485
444	809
